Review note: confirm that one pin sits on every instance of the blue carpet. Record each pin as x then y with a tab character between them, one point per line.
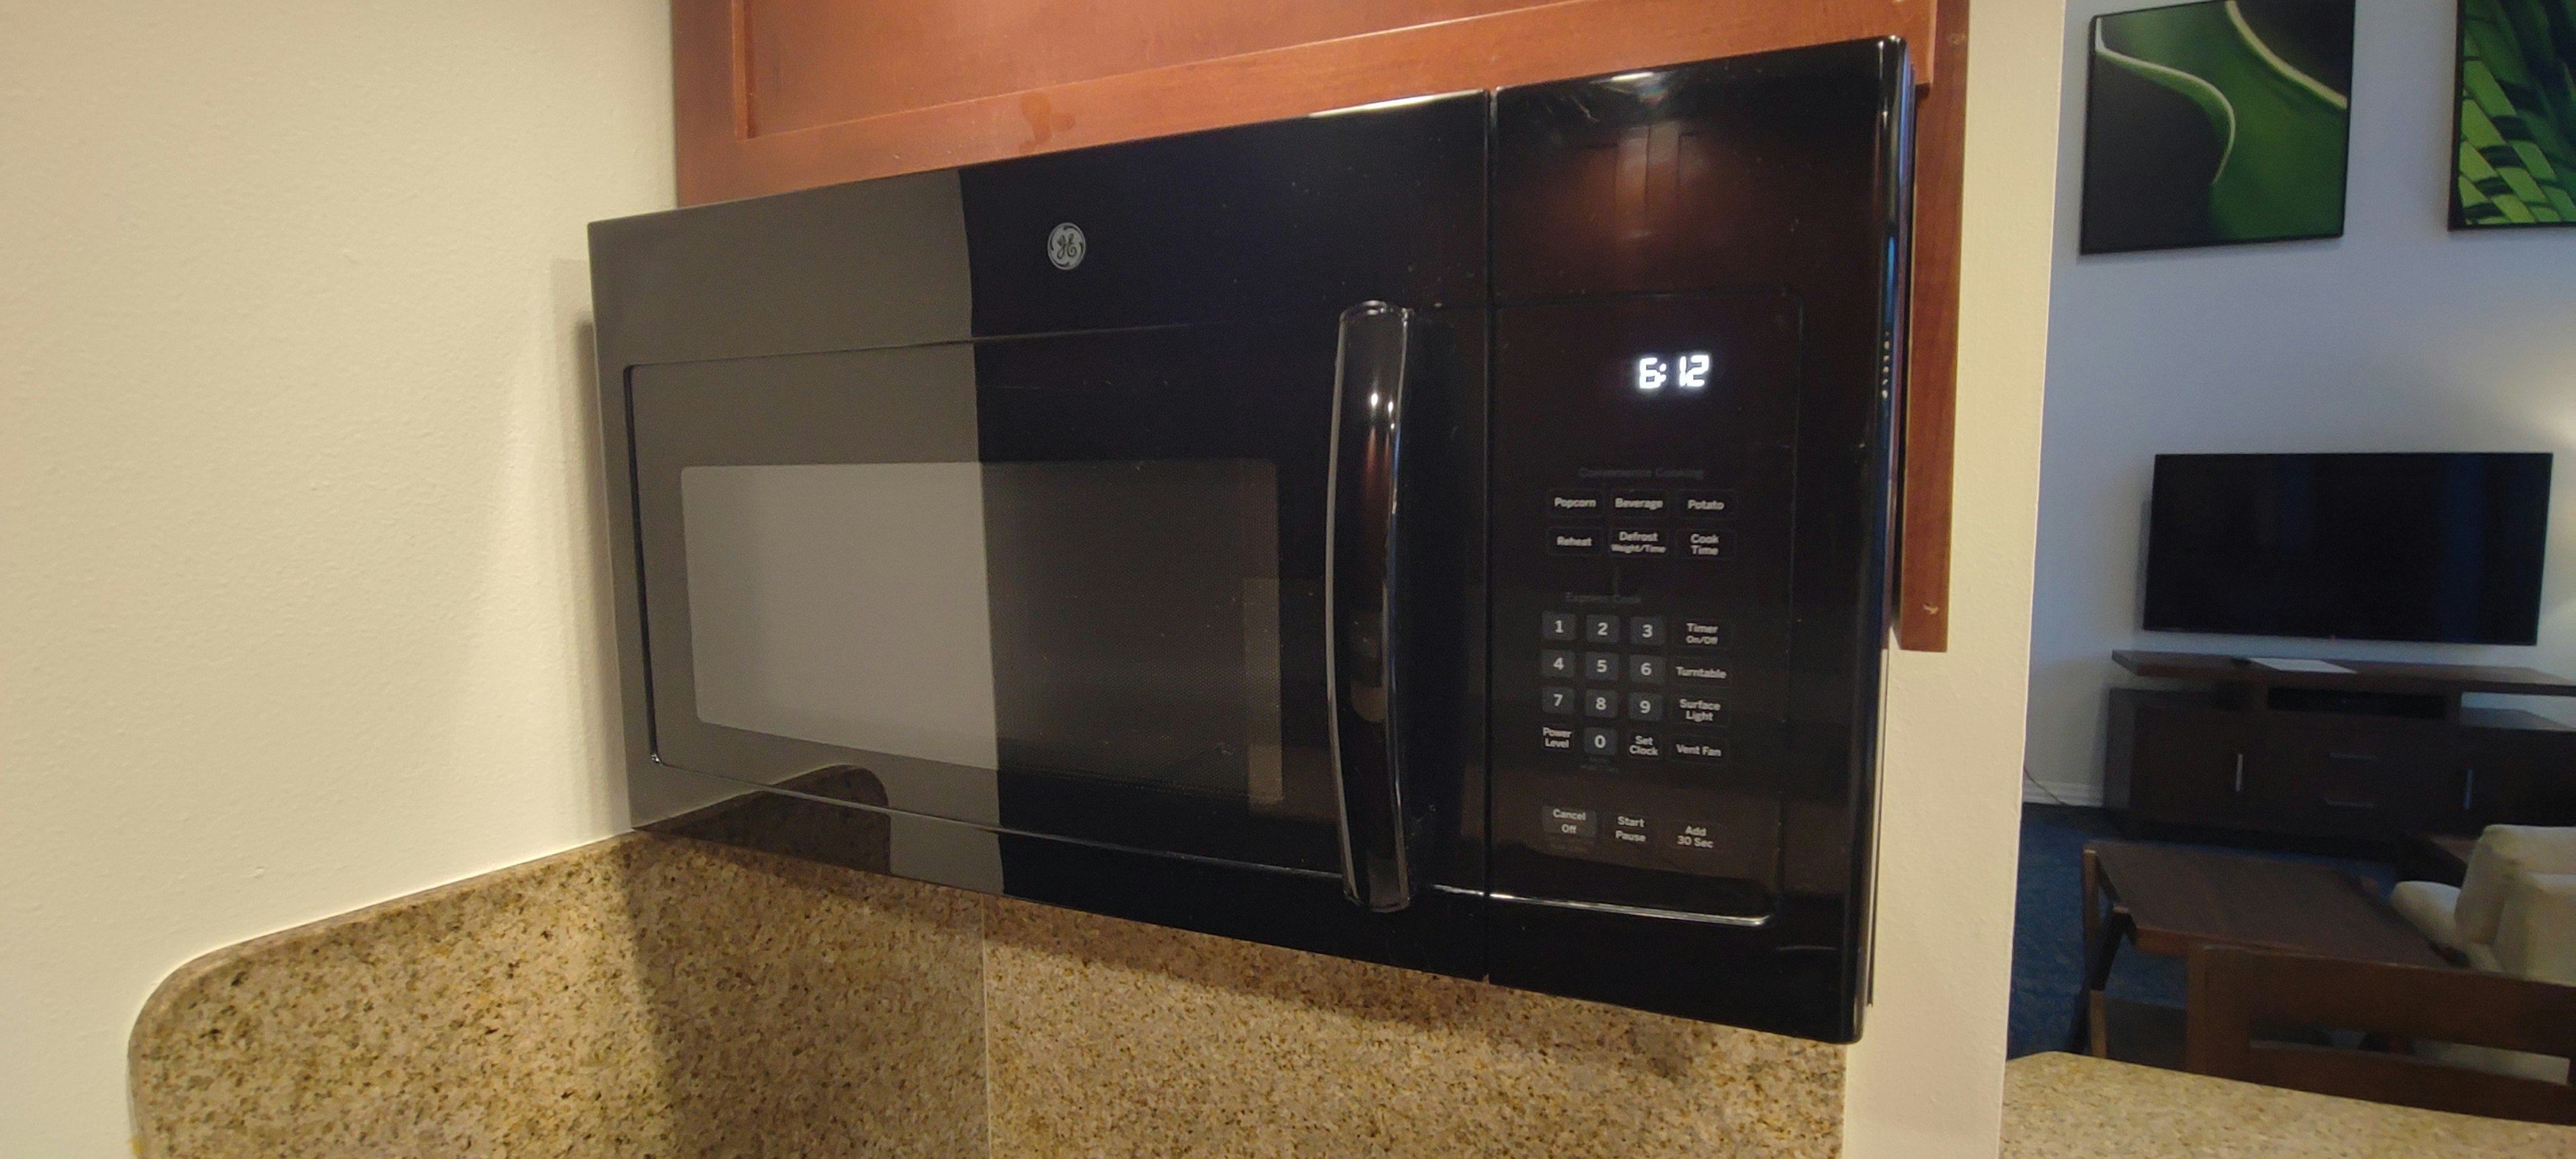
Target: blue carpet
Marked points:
2048	929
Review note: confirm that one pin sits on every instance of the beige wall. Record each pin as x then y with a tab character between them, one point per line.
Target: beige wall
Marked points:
295	514
1926	1080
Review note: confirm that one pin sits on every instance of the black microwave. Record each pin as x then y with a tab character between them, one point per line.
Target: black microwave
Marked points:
1449	532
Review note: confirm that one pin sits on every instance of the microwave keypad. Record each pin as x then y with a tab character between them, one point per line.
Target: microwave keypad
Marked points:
1669	700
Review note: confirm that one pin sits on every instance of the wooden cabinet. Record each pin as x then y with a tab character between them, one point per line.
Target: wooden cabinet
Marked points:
775	95
2183	759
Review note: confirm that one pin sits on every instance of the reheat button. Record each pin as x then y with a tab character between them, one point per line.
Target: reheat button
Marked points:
1574	540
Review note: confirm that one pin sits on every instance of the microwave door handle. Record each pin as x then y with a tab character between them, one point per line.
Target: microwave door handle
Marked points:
1362	590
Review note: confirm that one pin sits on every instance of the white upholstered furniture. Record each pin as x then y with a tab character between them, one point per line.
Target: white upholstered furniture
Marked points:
2513	913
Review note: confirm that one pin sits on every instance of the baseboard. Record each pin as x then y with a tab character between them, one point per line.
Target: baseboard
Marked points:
2036	792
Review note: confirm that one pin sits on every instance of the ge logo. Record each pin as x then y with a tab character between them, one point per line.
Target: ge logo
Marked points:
1066	245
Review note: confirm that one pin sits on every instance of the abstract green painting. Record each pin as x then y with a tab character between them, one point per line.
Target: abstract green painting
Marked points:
2217	123
2517	127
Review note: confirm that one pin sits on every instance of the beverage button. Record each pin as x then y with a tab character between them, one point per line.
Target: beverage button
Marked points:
1629	829
1648	541
1574	503
1556	701
1706	750
1645	669
1644	746
1557	665
1567	825
1600	629
1704	634
1646	631
1600	742
1706	543
1555	739
1705	671
1556	625
1574	541
1708	504
1600	702
1690	709
1645	706
1640	503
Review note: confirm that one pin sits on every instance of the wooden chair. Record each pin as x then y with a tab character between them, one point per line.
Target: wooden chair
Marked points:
2237	992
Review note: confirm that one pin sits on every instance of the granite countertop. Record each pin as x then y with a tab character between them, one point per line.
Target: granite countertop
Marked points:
2069	1106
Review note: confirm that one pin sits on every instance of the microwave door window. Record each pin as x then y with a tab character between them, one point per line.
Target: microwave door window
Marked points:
1065	586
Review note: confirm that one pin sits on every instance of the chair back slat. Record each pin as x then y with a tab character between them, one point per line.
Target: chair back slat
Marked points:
2236	992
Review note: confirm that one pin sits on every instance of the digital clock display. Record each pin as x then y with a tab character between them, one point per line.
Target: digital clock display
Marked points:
1686	370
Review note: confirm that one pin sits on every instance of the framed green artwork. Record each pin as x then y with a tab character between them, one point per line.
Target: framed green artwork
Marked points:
2514	146
2218	123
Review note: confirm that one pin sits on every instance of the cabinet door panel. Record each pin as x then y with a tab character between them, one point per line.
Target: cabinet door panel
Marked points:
2190	765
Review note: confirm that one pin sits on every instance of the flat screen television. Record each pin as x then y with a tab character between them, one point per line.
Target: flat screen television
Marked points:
2434	547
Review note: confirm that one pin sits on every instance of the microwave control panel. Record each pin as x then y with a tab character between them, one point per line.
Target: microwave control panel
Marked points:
1645	466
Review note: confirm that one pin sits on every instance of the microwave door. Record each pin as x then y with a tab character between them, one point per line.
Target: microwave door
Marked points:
1069	588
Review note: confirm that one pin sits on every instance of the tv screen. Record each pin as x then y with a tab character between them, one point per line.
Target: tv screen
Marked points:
2365	547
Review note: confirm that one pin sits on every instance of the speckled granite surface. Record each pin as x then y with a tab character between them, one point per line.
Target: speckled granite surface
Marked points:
2065	1106
1111	1038
663	997
635	997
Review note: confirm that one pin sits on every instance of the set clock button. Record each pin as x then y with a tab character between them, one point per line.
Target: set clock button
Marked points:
1644	746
